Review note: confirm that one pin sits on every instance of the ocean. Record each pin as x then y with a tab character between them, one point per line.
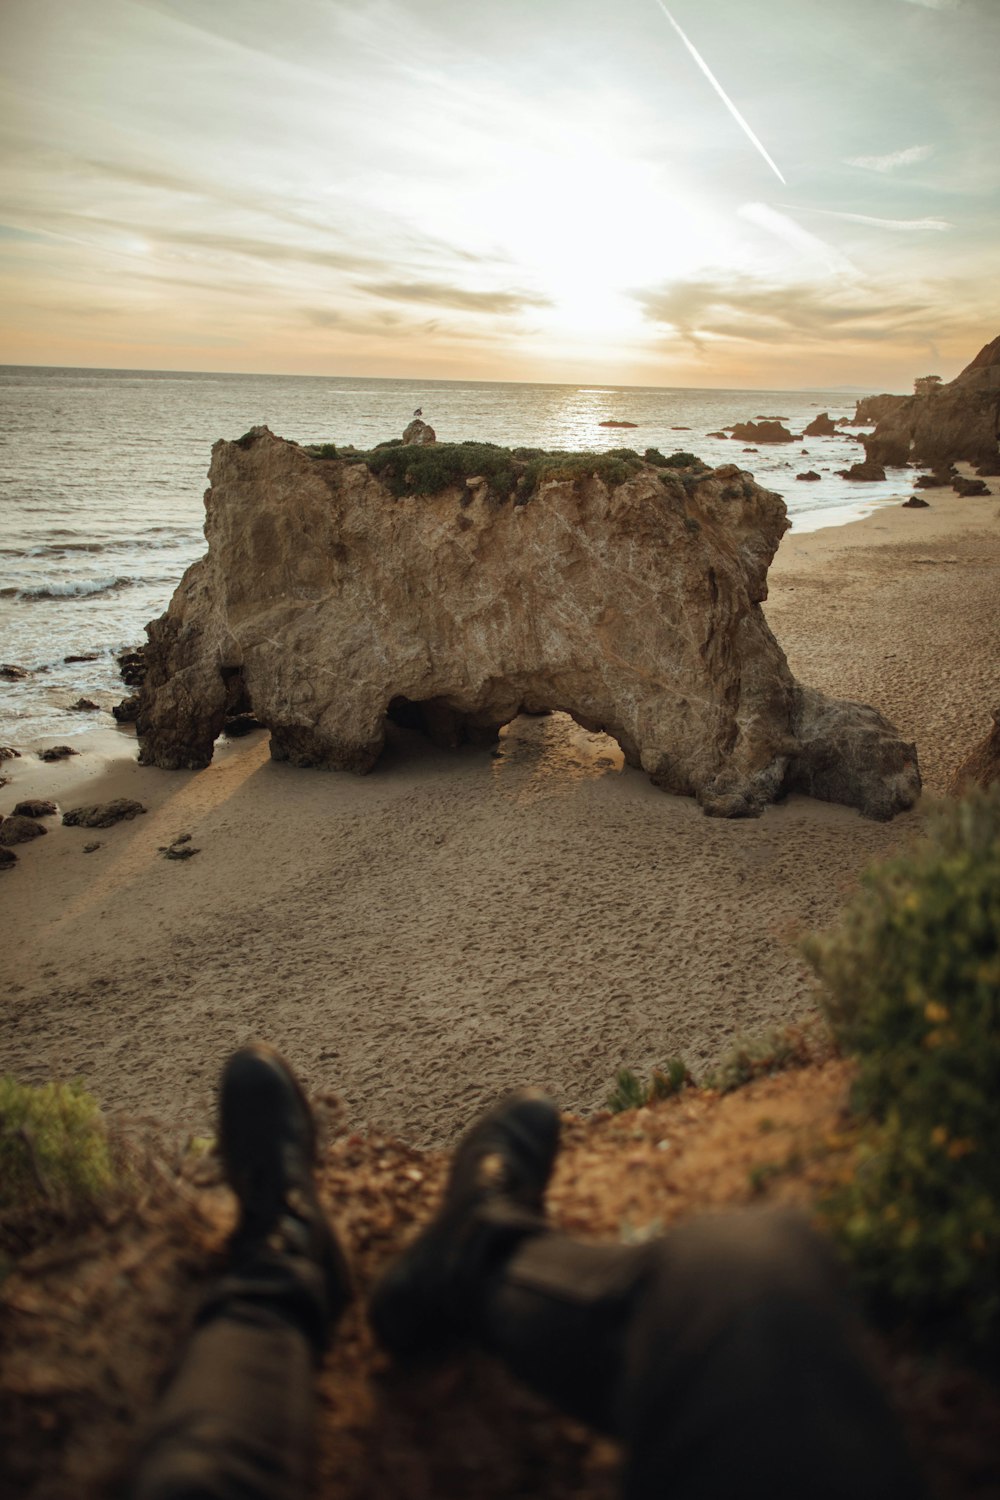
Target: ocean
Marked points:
102	474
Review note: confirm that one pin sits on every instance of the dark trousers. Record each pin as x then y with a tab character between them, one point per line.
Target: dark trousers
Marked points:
238	1420
725	1357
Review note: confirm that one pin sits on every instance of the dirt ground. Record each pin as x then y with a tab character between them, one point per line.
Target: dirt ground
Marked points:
94	1315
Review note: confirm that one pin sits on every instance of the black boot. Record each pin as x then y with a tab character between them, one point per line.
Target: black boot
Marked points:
432	1297
267	1137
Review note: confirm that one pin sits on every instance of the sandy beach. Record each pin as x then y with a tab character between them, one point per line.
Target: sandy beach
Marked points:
423	938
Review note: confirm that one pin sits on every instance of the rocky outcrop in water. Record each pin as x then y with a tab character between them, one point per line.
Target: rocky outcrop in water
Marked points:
960	420
762	432
460	585
867	472
821	426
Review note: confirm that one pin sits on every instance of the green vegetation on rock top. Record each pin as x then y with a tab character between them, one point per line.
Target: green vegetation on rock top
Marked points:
508	473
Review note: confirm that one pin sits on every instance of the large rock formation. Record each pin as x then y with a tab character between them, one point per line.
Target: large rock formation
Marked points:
458	585
960	420
872	409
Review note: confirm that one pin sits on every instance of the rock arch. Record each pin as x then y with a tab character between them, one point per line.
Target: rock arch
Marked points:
622	591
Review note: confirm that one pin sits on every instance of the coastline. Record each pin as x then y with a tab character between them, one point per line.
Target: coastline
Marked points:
421	939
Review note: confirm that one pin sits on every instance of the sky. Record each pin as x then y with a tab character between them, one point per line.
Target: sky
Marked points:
712	193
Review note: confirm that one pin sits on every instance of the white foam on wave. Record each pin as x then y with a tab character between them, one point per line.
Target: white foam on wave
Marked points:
81	588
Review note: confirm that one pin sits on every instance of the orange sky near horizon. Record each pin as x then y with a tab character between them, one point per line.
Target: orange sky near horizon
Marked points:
788	195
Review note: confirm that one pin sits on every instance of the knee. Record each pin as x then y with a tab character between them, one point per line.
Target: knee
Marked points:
749	1254
172	1475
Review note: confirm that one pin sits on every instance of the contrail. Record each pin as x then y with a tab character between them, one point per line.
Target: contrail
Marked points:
717	86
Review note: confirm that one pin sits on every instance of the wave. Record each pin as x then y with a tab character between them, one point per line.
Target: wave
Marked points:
121	544
88	588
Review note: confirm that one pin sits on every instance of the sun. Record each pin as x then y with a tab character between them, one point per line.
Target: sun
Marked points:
580	214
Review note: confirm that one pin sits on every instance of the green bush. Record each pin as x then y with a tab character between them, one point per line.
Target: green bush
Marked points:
753	1057
510	474
675	461
53	1146
630	1093
612	468
912	989
416	470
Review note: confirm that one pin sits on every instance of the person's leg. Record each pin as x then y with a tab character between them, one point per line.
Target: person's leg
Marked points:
724	1357
236	1423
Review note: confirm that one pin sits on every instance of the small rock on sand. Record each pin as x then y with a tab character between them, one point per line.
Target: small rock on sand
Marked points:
102	814
35	807
18	830
57	752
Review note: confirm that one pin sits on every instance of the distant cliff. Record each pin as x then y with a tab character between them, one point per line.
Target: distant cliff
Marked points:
960	420
457	585
875	408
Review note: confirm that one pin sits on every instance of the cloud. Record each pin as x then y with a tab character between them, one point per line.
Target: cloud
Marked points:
253	248
759	312
900	226
25	236
441	295
890	162
937	4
